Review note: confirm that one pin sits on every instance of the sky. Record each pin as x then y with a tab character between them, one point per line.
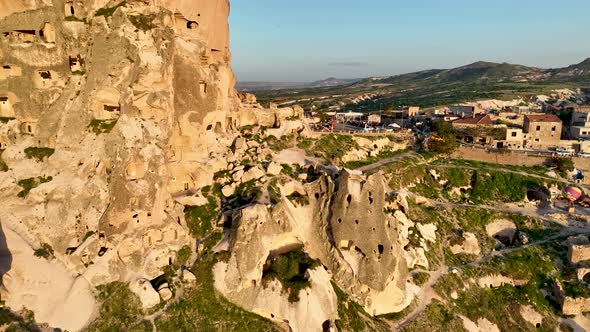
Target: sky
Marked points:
307	40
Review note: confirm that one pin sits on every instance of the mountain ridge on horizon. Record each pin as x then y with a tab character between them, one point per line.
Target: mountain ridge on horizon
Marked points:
579	69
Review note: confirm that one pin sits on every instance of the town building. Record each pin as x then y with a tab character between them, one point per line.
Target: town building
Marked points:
514	139
464	111
475	121
374	118
542	131
580	123
479	129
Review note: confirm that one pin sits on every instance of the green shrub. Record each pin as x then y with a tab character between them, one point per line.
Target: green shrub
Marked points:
211	241
46	251
87	235
421	278
183	256
202	308
31	183
3	166
562	165
289	269
353	317
23	321
331	147
142	22
373	159
298	199
200	219
39	153
120	308
109	11
102	126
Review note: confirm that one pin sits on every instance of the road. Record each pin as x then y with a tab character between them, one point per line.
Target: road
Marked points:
383	162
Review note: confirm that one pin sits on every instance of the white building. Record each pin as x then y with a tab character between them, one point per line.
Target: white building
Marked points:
580	124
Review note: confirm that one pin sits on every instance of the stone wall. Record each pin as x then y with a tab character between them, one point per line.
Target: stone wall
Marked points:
511	158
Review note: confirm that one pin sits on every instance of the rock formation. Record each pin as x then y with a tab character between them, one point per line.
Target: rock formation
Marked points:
114	115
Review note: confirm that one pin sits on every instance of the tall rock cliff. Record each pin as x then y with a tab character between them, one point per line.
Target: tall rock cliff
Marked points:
114	118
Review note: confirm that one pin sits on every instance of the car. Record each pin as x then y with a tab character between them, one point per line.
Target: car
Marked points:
584	154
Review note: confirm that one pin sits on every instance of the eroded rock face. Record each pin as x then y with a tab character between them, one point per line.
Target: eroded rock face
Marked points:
326	228
135	108
363	230
115	121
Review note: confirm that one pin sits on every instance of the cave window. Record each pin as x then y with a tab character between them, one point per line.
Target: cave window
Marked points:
203	86
538	325
169	260
191	25
186	186
209	127
46	75
317	195
356	222
339	220
72	11
381	248
29	129
102	251
218	129
349	200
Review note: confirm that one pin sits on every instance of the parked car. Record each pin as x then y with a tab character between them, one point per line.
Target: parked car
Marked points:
584	154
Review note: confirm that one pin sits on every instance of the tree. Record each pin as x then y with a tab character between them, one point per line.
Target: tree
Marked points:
562	165
443	139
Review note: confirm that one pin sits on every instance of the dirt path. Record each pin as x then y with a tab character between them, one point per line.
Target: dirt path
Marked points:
504	170
427	294
425	297
384	162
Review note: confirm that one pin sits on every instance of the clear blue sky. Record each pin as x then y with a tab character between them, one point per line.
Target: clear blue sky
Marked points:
306	40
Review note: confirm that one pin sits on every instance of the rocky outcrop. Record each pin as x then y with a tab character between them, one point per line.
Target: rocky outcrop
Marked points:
344	226
115	115
123	110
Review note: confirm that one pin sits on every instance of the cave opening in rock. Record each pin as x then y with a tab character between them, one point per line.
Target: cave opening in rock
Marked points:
102	251
381	248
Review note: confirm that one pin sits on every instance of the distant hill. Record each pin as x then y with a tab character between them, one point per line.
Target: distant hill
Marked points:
330	82
434	87
261	86
489	72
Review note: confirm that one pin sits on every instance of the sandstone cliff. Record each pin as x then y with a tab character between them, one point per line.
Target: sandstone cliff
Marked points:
114	116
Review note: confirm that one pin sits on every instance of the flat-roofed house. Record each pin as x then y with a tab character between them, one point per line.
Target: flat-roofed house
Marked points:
580	124
542	131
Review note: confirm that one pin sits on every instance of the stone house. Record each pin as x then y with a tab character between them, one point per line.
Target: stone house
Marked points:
479	129
464	111
542	131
